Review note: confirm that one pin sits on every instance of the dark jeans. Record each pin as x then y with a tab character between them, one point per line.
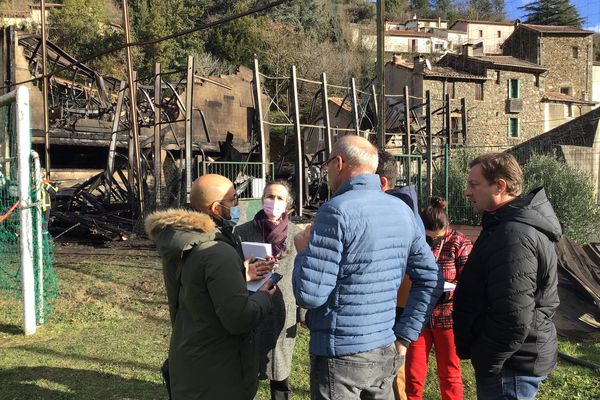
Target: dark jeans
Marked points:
367	375
508	385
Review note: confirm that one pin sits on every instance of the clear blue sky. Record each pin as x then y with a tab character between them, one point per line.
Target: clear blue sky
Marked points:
589	9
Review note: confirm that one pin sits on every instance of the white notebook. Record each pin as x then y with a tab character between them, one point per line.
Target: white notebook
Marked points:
256	250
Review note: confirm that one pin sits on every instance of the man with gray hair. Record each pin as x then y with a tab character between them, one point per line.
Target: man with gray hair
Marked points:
347	273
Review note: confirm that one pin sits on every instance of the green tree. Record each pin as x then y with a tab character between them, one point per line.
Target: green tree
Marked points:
396	9
151	19
571	193
311	15
492	10
237	41
421	7
81	27
443	7
552	12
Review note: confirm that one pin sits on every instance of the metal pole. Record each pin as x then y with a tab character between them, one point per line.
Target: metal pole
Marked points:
355	107
259	121
136	179
446	156
26	228
447	119
45	91
189	96
429	144
407	133
375	104
326	119
463	114
406	121
380	73
39	244
299	170
110	165
157	144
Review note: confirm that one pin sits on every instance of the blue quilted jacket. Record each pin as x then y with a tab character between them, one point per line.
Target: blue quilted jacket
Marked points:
348	275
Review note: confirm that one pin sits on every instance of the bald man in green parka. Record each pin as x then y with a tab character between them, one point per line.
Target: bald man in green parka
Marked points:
211	354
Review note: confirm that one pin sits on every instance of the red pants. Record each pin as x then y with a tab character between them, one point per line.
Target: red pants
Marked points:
448	364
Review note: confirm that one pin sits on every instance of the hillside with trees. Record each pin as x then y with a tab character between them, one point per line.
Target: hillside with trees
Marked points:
314	35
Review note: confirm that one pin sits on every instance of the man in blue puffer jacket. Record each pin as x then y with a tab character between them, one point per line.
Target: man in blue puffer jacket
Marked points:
349	266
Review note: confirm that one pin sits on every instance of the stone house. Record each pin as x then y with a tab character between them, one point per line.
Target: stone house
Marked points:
487	35
511	97
567	53
502	95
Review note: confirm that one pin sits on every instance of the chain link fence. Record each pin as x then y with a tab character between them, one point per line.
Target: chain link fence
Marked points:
13	209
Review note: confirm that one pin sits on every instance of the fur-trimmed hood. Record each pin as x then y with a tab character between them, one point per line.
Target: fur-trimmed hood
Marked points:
178	218
176	231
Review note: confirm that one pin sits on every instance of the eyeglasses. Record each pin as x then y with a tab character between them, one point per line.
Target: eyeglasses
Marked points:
235	199
330	159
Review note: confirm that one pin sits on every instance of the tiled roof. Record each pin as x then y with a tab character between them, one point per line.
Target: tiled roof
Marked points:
483	22
556	29
425	19
396	32
557	96
447	72
437	71
509	61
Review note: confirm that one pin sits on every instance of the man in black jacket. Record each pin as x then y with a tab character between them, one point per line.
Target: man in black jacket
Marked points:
506	295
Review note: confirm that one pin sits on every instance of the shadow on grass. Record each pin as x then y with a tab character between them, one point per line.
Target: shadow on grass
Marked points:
51	383
91	359
11	329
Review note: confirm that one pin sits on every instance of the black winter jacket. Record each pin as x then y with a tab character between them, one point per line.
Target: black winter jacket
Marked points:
506	295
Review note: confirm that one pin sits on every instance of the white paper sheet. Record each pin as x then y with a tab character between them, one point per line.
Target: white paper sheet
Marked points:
448	287
255	285
256	249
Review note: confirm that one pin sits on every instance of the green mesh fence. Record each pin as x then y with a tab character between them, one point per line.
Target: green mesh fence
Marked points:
45	280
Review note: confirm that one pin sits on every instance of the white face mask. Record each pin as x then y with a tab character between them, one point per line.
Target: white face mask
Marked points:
273	208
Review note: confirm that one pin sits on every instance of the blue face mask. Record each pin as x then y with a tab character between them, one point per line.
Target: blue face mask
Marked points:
234	216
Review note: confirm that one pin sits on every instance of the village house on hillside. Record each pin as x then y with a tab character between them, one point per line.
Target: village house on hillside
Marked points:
567	53
485	36
406	41
510	98
502	96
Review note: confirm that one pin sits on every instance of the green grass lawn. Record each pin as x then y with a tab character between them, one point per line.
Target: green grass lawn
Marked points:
109	333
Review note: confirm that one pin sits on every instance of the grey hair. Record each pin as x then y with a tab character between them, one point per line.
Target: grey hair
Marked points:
358	152
288	188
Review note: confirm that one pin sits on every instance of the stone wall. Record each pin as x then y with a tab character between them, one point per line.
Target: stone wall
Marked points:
563	69
555	52
487	119
523	44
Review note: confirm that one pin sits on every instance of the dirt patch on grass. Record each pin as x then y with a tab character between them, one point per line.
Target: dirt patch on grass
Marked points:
123	251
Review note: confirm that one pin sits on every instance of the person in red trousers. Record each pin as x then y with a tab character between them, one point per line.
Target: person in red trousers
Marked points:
451	250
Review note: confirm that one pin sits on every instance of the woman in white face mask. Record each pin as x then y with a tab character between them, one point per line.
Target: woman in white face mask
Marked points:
276	335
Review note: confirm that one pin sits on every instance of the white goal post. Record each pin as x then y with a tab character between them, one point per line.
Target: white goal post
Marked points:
20	97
